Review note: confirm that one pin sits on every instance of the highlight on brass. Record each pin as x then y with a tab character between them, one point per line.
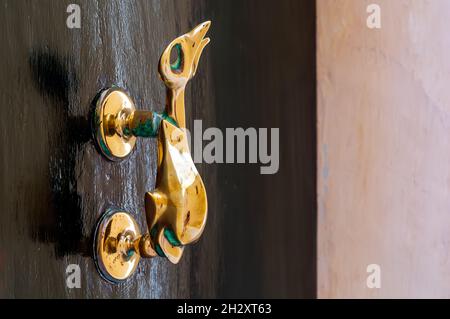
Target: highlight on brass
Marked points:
176	210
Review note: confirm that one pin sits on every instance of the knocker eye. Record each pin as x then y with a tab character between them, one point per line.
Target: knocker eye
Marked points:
177	56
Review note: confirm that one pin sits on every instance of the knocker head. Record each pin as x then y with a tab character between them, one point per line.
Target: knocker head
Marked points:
188	49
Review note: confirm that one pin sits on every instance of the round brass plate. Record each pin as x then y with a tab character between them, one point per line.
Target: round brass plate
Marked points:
113	104
112	263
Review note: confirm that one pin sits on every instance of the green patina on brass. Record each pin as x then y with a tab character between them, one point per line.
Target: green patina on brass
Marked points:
168	118
104	148
176	66
171	238
143	129
96	122
159	251
153	234
154	231
150	127
130	253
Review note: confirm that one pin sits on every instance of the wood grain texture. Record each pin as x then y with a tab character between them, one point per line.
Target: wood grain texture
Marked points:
383	150
264	76
260	235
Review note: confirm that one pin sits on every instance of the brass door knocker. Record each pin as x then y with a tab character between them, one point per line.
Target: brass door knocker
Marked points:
176	210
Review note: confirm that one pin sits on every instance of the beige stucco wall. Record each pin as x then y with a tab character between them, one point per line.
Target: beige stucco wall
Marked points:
384	148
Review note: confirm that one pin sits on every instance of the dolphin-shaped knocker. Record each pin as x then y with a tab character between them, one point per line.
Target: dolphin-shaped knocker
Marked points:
176	210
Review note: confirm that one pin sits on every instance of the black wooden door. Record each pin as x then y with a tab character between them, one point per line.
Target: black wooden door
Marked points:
258	71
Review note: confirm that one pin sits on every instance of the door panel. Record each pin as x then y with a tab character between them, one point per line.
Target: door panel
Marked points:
55	183
260	236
